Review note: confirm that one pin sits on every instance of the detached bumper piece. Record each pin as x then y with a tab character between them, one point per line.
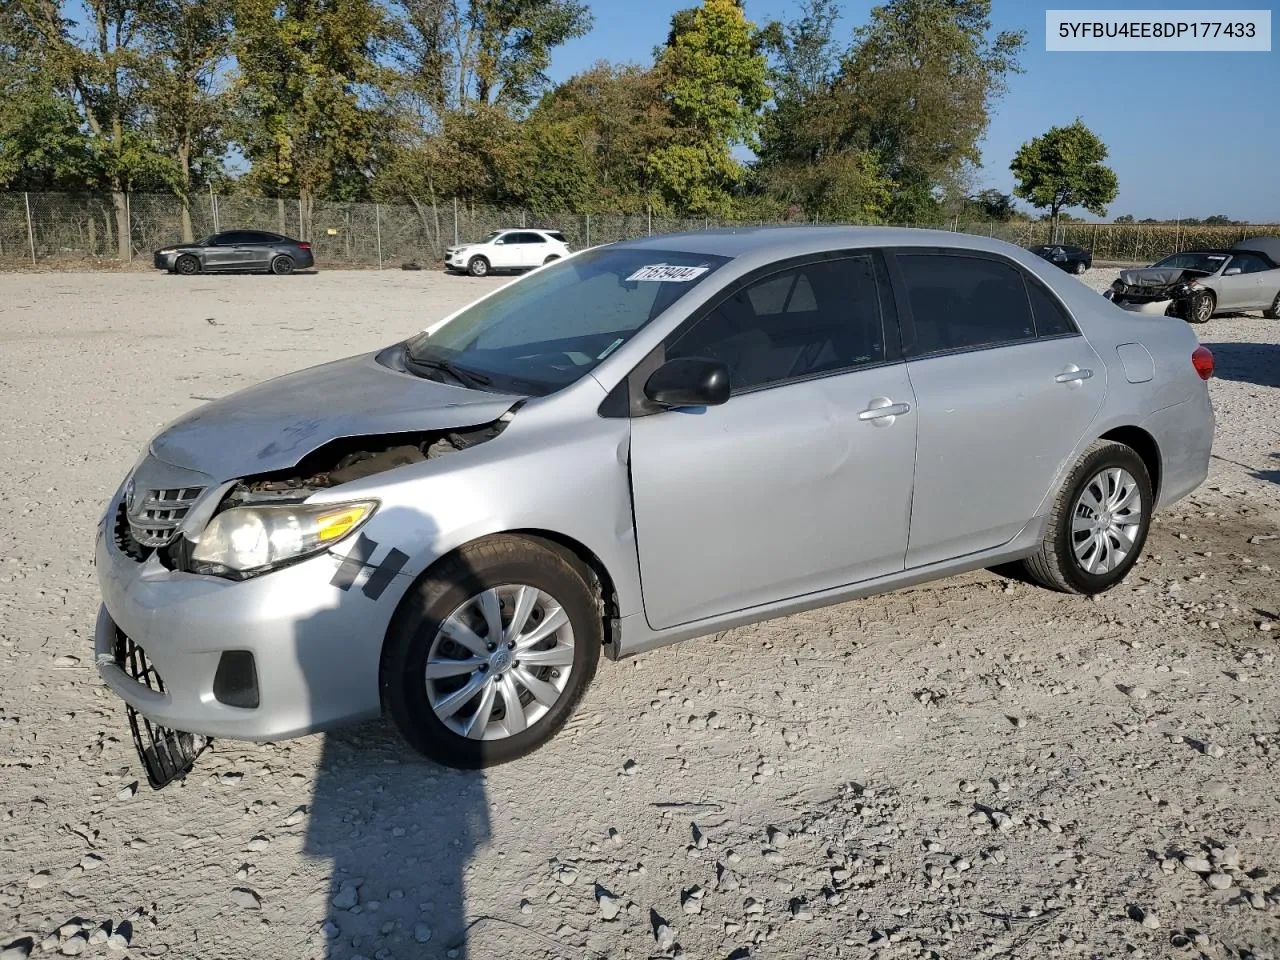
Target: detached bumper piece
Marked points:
167	755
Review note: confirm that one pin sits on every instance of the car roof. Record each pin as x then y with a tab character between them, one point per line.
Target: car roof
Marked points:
779	242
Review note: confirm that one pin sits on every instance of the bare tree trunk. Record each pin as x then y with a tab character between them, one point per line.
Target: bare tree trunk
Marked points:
124	250
184	195
280	216
93	233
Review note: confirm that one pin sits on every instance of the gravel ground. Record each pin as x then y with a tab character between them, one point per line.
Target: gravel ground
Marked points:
973	768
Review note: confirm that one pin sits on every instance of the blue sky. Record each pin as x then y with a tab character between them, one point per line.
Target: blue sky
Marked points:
1191	134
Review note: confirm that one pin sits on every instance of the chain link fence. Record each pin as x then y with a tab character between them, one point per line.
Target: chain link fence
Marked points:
63	229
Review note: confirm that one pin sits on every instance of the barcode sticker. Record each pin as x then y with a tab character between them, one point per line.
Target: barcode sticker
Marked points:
665	273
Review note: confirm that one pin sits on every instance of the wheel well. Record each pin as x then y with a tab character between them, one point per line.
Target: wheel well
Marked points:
580	556
1144	445
598	577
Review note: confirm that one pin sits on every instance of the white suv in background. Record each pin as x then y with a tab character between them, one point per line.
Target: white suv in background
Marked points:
507	250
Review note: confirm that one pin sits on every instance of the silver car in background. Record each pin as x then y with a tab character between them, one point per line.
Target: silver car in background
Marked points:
1196	285
643	443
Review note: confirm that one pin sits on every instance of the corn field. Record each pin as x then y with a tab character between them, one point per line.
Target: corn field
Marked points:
66	228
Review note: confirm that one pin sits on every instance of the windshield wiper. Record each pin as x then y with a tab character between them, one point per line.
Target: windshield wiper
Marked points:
468	378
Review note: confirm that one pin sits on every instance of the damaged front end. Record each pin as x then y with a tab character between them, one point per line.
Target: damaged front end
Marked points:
1162	292
332	465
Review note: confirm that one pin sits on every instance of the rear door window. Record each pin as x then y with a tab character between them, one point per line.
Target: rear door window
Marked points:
963	303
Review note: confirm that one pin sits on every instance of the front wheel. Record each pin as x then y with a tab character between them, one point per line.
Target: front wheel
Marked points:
491	651
282	266
1201	308
1080	267
478	267
1098	524
187	265
1273	312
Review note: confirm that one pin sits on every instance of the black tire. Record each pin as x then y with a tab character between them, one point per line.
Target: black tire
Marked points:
1080	267
282	265
1054	564
186	265
1201	307
479	566
551	259
1273	312
478	267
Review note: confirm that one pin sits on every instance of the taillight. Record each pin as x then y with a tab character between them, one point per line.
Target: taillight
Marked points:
1202	360
304	246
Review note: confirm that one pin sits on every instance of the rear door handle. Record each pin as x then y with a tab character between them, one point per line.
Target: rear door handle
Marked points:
1073	374
883	410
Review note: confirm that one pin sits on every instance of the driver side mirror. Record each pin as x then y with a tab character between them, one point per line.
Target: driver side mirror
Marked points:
1231	271
689	382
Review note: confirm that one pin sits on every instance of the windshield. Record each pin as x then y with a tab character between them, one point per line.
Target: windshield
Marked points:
1206	262
490	236
547	330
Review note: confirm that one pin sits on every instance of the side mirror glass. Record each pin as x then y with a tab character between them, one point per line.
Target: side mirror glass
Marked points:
689	382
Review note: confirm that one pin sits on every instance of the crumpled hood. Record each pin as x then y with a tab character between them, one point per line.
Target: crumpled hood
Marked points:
273	425
1151	276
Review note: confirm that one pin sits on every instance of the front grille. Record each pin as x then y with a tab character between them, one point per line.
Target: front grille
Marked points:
132	659
167	755
156	514
122	534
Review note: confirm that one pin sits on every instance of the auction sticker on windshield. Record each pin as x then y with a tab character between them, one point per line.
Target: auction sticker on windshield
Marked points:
666	273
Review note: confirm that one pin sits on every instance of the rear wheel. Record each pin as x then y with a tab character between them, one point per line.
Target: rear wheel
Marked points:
478	266
186	265
282	265
551	259
1098	525
491	651
1273	312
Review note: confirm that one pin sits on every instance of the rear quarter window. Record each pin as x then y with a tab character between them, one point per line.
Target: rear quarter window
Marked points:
1051	319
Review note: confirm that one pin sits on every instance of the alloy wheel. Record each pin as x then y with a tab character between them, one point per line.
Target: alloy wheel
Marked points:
499	662
1105	520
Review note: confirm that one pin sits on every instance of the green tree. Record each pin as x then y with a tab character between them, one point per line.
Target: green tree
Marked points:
1063	168
620	118
42	145
98	66
920	82
308	91
913	91
1126	218
713	75
458	54
189	43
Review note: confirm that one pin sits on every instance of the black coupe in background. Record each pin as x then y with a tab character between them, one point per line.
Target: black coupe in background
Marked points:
1070	259
253	251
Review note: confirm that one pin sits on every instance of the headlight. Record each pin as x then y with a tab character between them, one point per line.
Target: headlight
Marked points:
256	539
166	252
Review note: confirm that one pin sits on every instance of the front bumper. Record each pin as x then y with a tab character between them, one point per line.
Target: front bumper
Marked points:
1150	308
315	647
164	261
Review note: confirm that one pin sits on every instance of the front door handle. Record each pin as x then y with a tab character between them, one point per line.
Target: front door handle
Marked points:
882	411
1073	374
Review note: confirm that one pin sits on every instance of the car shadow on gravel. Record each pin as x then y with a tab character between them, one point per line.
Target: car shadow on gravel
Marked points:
1257	363
394	831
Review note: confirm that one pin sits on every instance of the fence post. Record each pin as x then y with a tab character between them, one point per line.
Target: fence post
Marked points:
301	230
1093	244
588	229
31	237
455	221
649	211
377	226
524	221
128	221
1177	235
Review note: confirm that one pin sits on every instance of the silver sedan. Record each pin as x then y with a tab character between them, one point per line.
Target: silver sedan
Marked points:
643	443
